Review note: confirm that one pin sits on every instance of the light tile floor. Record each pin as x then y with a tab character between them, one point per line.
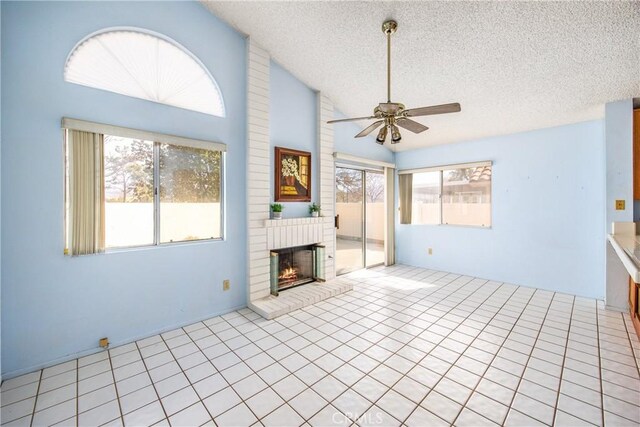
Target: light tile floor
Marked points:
407	346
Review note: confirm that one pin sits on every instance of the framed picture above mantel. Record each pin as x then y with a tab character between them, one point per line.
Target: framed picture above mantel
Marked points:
292	175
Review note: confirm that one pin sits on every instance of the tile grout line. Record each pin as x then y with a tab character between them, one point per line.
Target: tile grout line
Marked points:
564	358
600	363
115	386
629	335
35	402
78	393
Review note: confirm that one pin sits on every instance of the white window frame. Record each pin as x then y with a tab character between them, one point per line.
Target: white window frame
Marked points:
157	139
441	169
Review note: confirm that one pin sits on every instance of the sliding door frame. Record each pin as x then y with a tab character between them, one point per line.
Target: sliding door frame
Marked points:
389	170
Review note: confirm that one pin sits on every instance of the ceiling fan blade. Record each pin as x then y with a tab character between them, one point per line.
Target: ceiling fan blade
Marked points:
373	126
434	109
411	125
352	119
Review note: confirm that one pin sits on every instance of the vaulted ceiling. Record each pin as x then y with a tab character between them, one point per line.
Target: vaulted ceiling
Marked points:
513	66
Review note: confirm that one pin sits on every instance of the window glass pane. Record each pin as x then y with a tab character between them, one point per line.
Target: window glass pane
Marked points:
128	179
466	196
374	188
349	205
189	193
426	198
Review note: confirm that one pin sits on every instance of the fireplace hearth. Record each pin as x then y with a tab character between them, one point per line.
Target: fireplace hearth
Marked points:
296	266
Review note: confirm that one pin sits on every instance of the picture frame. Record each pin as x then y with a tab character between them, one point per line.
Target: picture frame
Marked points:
292	175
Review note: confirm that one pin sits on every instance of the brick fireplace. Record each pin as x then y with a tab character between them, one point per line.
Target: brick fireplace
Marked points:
266	235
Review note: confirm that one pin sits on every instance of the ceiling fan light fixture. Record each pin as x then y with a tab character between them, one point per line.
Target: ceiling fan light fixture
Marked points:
389	114
382	135
395	134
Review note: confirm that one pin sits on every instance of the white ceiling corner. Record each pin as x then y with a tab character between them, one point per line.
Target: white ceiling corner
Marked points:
513	66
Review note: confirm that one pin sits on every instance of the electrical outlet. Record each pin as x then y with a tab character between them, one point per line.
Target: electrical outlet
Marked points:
226	284
430	251
104	342
620	205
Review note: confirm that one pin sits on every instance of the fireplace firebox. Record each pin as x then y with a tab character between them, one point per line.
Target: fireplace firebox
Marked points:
296	266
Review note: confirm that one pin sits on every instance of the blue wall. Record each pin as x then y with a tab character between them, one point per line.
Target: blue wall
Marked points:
366	147
618	127
53	306
547	214
293	123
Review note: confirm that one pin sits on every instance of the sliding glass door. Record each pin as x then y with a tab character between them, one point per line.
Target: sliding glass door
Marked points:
374	218
360	219
350	214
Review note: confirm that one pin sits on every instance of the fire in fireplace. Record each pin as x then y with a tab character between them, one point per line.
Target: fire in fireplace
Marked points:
288	274
295	266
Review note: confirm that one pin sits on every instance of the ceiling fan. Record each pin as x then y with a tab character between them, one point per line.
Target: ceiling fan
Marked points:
389	114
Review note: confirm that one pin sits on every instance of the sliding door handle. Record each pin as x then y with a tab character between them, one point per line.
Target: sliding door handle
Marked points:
337	221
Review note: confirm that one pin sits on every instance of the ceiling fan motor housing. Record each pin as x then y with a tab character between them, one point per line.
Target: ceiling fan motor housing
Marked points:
390	108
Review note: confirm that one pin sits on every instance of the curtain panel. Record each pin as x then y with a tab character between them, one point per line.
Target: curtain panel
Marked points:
86	192
390	220
405	183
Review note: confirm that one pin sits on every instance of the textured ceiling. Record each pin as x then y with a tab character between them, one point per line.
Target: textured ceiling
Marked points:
512	66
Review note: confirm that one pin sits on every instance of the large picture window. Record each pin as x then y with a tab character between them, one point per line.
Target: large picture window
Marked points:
140	190
453	195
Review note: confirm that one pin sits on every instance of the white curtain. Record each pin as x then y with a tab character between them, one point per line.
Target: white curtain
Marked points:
86	192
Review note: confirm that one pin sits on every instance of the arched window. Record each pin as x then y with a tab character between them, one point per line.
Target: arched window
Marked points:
144	65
